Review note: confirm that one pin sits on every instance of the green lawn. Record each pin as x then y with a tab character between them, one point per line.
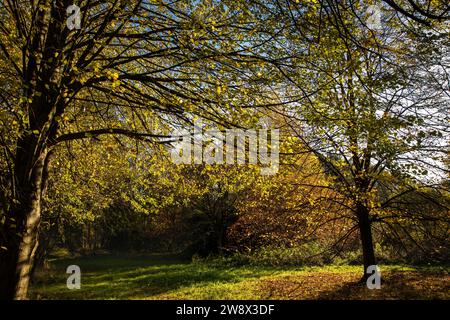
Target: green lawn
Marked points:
152	277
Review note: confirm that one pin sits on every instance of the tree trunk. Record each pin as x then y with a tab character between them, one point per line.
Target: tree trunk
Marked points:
365	231
27	252
17	260
20	230
8	263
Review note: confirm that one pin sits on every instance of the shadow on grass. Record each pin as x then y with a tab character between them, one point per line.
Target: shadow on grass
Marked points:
397	283
109	277
406	285
147	277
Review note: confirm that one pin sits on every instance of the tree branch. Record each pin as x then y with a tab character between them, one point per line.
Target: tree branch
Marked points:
148	137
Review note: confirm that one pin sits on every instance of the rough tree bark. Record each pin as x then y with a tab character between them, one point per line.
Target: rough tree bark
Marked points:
20	230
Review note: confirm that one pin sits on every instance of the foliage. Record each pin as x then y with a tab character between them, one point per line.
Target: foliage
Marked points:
87	115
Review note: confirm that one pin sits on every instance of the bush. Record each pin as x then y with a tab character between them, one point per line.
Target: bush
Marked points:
308	254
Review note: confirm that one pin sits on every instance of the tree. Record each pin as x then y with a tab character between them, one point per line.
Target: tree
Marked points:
132	65
373	107
138	68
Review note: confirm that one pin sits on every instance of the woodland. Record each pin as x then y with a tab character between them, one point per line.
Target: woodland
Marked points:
92	92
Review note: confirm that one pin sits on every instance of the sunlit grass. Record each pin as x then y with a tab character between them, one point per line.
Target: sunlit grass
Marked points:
152	277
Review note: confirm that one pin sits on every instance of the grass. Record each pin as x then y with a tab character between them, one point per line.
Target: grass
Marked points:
157	277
